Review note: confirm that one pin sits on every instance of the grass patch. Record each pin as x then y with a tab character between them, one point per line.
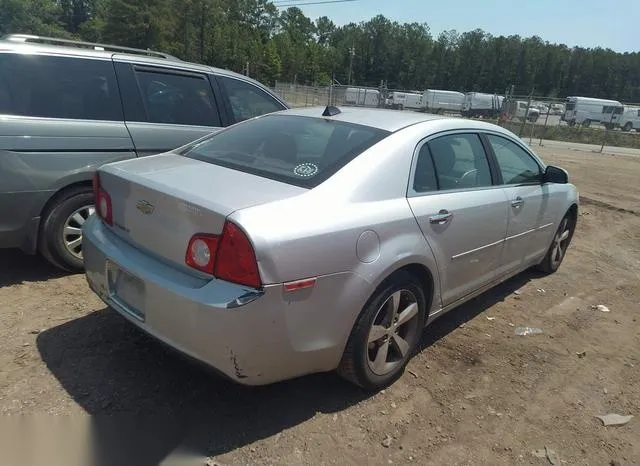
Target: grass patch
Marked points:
577	134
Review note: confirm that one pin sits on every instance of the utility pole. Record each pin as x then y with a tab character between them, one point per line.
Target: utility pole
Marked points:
352	53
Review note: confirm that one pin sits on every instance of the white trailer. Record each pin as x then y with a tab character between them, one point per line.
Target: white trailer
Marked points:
478	104
586	110
402	100
362	96
438	101
630	119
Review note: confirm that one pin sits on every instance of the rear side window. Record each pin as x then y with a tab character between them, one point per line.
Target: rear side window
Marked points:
178	99
457	161
58	87
516	165
248	101
301	151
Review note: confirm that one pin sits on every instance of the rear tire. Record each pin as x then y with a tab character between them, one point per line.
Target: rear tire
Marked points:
386	334
559	245
61	234
627	127
586	123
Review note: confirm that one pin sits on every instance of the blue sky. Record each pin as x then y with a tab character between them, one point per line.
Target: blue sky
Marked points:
587	23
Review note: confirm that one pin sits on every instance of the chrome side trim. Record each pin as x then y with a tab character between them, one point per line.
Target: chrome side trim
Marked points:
520	234
458	256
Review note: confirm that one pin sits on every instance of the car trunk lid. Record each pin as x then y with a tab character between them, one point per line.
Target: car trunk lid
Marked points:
160	202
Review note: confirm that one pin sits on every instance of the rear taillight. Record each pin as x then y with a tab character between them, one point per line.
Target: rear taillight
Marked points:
229	257
201	253
236	259
102	201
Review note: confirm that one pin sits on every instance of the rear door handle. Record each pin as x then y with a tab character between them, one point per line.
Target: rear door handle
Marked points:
441	217
517	202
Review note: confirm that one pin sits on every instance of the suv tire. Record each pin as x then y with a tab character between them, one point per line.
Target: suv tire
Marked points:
61	233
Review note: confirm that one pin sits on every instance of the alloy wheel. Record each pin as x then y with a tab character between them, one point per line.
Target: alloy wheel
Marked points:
392	332
72	230
560	242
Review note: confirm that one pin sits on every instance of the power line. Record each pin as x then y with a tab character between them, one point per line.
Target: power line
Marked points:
290	3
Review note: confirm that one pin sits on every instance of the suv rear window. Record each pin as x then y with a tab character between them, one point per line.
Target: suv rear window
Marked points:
58	87
302	151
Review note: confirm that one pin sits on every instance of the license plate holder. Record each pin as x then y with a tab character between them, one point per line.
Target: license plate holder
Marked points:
126	291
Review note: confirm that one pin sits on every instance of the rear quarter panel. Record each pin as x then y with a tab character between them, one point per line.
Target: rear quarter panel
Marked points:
359	221
40	156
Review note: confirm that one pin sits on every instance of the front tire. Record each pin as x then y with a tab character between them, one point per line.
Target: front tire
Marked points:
386	334
559	245
61	234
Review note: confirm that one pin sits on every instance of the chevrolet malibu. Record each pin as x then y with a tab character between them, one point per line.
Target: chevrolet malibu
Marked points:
321	239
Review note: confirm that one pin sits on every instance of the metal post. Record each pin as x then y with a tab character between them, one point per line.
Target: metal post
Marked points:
546	120
352	53
606	131
526	114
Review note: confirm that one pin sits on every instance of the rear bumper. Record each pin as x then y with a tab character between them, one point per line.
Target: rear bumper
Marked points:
254	338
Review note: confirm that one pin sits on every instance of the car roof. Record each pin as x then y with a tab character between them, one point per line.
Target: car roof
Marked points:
84	52
394	120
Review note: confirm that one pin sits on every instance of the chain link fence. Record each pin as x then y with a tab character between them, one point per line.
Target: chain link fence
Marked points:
533	118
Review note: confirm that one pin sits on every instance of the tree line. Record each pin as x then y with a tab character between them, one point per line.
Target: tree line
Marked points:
256	38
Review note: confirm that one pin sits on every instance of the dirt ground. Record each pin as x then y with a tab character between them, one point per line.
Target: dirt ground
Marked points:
476	394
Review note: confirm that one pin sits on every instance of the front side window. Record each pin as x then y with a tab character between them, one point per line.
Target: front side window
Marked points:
516	165
58	87
178	99
301	151
248	101
457	162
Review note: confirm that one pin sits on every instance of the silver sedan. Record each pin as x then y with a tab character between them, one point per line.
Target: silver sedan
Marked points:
318	239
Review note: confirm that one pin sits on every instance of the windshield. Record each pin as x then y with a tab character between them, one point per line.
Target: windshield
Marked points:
301	151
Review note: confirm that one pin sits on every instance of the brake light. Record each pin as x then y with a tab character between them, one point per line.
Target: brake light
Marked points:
201	253
102	201
229	257
236	260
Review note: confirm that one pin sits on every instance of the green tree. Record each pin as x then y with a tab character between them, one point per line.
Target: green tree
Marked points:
40	17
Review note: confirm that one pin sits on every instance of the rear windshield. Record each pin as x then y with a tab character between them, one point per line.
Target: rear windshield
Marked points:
301	151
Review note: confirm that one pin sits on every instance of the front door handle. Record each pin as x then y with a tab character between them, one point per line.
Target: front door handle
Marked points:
517	202
441	217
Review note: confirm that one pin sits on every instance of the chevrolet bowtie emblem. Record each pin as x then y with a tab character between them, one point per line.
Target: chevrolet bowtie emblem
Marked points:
145	207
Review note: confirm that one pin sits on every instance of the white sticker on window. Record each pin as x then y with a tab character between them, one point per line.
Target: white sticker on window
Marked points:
306	170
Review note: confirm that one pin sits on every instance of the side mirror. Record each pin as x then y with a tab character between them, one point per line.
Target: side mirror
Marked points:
553	174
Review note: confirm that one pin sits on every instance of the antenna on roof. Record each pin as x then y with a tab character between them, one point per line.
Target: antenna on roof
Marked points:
331	111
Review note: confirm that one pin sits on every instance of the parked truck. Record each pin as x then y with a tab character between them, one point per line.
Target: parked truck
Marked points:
587	110
439	101
630	119
478	104
361	97
402	100
520	110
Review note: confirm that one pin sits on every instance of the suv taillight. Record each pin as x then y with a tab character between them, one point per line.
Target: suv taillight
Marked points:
229	257
102	201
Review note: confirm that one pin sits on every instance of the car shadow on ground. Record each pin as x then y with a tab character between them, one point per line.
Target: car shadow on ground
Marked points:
17	267
444	325
110	368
